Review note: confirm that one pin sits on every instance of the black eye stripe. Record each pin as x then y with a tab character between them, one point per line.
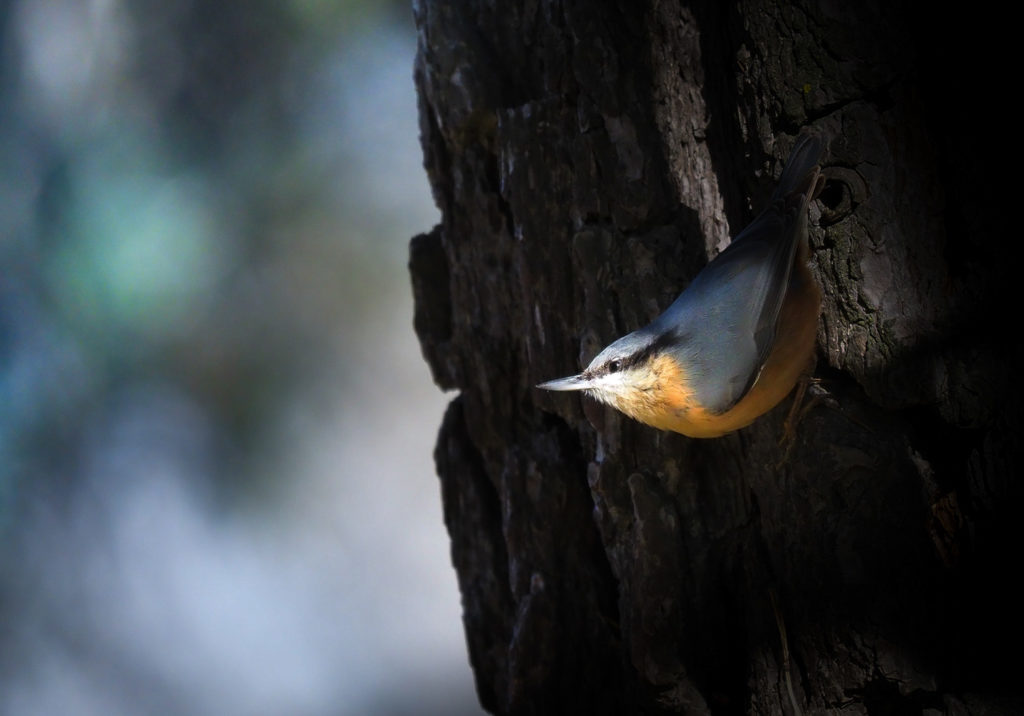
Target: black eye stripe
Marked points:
642	355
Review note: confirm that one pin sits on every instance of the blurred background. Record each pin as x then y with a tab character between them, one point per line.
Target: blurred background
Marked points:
217	494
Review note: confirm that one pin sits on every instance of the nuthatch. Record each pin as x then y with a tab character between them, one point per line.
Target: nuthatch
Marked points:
740	336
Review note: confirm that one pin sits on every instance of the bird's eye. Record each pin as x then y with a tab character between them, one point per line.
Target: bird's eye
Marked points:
613	366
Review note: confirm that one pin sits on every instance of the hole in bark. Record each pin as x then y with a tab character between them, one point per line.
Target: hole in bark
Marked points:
837	200
832	196
844	191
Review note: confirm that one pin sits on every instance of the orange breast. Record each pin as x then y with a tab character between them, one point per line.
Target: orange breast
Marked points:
790	356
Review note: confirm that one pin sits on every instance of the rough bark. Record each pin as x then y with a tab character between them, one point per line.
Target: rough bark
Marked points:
588	159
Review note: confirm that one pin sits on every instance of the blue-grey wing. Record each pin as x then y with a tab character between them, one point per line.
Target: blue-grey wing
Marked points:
725	320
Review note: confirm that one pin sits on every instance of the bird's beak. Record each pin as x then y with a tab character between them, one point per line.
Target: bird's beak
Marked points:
573	382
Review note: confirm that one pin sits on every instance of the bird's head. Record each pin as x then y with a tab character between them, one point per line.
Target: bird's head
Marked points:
634	374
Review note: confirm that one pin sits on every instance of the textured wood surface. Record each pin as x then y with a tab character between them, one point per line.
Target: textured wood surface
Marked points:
588	159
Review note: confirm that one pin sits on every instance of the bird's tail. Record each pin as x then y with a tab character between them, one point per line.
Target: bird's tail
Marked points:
801	167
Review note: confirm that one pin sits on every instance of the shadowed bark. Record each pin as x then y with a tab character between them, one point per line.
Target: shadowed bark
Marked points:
588	159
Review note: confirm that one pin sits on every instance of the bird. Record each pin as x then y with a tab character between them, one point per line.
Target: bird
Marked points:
738	338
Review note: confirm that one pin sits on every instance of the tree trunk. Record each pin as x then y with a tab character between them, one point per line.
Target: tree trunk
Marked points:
588	159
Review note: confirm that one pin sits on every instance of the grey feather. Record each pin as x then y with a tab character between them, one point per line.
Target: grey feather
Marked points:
742	291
